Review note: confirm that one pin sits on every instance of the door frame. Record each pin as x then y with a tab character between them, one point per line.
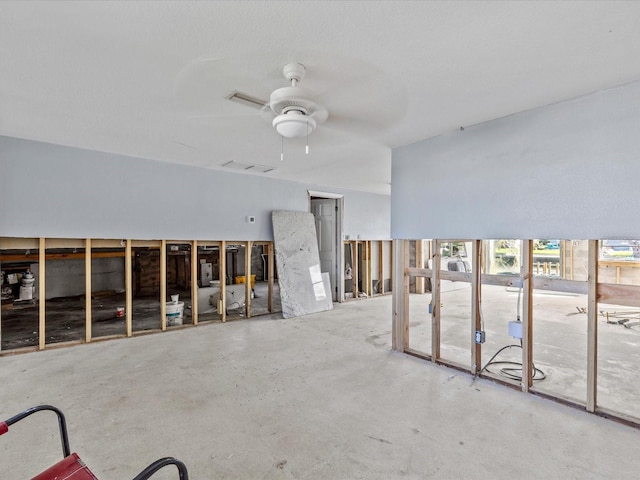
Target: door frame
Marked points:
339	274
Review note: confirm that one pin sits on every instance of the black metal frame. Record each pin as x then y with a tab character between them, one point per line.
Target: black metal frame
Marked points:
66	451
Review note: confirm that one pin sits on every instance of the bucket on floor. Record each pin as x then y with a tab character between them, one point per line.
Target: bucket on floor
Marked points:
26	292
174	313
243	279
119	312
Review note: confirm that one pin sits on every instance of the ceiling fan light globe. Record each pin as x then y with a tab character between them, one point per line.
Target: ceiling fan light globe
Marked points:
294	124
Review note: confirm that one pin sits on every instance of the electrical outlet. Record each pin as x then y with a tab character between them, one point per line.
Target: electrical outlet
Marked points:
517	282
515	330
480	336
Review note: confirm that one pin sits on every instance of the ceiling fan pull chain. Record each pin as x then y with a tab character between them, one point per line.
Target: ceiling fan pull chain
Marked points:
281	148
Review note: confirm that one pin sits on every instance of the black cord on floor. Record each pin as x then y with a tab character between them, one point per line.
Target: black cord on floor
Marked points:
509	371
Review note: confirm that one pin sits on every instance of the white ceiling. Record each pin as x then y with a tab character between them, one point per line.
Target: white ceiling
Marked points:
149	79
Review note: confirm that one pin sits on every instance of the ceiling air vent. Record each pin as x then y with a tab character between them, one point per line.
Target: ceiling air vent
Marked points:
247	99
248	167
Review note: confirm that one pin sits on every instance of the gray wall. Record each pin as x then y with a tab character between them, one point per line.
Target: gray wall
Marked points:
568	170
61	192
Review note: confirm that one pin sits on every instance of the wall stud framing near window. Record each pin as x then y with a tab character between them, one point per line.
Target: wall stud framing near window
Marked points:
527	314
592	328
476	314
435	302
381	266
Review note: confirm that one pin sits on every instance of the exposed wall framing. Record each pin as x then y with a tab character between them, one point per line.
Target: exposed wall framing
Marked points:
370	263
41	251
597	294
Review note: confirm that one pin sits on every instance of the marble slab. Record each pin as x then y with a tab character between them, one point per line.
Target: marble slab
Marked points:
304	289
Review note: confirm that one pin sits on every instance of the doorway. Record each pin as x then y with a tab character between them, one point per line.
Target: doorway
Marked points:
327	209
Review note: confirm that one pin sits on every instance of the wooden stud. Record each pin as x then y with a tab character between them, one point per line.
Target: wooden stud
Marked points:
356	273
398	298
527	314
369	269
194	282
391	263
405	294
381	266
435	302
128	275
163	285
247	278
87	290
571	260
222	274
270	275
592	328
41	295
419	263
476	316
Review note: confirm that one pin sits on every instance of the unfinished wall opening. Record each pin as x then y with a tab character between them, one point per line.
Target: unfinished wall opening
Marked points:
455	301
560	318
266	290
367	268
618	329
19	314
65	318
542	320
501	303
108	299
146	283
208	281
420	304
178	297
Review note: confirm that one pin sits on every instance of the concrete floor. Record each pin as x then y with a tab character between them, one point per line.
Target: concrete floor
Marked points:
65	317
316	397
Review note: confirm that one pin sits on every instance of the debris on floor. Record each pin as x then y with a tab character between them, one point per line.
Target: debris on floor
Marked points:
628	319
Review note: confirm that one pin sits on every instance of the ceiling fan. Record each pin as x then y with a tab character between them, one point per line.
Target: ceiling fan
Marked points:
342	86
297	113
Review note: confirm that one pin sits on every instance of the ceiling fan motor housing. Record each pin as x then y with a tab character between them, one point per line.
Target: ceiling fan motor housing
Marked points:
297	113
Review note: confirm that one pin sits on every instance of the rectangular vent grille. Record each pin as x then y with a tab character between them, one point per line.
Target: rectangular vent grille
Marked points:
247	99
248	167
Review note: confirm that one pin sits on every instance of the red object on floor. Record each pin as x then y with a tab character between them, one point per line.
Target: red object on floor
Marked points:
69	468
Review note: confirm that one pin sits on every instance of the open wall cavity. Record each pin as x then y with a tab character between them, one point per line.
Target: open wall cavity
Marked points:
534	314
66	291
367	268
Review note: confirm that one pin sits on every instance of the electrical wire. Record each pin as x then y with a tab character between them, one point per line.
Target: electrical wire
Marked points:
509	371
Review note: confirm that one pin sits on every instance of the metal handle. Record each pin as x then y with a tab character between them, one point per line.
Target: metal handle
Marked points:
163	462
62	423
